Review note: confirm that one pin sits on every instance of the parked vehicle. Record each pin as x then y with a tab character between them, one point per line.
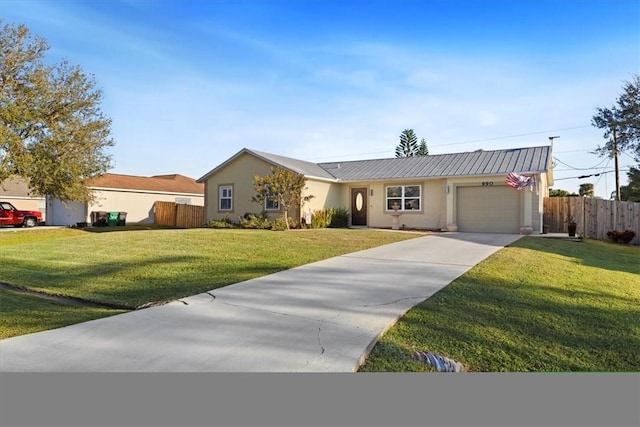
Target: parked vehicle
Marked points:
9	215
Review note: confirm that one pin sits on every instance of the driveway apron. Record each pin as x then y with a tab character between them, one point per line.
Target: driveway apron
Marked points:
320	317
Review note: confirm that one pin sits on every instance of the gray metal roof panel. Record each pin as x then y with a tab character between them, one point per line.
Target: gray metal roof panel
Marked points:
496	162
533	159
303	167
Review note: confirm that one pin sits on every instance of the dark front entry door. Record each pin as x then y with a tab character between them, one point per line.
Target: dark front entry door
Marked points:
359	206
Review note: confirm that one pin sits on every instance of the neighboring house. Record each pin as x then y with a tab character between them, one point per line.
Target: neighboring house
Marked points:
135	195
16	191
463	191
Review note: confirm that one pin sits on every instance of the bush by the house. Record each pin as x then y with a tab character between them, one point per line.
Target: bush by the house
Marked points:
257	221
221	223
280	224
339	218
332	218
318	219
621	236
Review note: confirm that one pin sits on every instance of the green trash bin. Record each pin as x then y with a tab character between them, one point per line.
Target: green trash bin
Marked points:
113	219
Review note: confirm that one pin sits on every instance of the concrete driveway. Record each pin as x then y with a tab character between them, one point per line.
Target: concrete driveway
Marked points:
320	317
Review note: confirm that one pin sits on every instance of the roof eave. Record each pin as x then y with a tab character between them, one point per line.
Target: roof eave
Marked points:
222	165
319	178
413	178
137	190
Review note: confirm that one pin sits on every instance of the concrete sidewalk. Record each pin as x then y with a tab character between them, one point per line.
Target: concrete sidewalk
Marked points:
320	317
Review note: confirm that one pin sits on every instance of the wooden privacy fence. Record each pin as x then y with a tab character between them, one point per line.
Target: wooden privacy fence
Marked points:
178	215
594	217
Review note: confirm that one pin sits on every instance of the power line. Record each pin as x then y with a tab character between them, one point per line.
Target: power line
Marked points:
581	169
627	154
461	142
510	136
605	176
590	175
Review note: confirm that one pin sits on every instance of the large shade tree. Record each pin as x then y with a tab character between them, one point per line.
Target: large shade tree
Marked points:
52	131
631	192
621	124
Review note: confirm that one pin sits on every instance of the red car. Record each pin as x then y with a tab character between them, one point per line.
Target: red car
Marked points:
9	215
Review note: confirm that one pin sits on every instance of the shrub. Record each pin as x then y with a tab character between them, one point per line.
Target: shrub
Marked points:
621	236
333	218
339	218
319	219
257	221
280	224
221	223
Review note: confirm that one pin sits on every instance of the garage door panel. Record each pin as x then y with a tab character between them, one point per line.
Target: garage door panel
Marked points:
490	209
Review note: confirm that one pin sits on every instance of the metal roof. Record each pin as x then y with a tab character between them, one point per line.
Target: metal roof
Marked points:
497	162
308	169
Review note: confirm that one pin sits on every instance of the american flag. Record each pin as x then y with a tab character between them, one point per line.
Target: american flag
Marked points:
519	181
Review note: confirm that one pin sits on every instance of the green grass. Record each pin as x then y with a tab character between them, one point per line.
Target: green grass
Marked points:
25	314
540	305
132	266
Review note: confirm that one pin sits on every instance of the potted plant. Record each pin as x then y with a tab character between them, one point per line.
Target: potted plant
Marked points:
572	225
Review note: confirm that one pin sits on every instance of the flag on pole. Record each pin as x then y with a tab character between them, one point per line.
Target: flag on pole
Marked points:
519	181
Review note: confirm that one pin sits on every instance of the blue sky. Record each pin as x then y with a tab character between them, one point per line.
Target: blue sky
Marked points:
189	83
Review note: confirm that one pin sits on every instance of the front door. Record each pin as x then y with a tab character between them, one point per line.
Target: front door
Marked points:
359	206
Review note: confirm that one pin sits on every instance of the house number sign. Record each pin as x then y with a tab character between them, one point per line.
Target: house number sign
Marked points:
487	183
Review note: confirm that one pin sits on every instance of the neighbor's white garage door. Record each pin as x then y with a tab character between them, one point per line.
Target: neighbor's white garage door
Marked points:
70	214
489	209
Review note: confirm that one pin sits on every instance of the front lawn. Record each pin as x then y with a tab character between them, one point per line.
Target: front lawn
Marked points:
25	314
538	305
132	266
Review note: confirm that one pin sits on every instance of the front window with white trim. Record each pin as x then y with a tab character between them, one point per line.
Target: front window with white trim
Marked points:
271	201
404	197
225	198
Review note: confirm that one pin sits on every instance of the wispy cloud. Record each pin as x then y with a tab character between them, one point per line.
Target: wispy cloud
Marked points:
188	84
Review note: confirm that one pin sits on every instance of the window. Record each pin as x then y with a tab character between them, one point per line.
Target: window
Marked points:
406	197
183	200
271	202
225	198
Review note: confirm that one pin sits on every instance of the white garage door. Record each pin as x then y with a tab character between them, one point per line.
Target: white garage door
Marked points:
60	214
490	209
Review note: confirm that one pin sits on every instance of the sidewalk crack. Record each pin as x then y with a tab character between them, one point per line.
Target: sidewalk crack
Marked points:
397	301
320	340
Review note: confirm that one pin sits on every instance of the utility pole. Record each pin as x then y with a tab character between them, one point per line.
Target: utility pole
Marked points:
615	158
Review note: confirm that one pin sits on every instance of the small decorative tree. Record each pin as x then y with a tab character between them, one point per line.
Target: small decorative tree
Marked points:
282	186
